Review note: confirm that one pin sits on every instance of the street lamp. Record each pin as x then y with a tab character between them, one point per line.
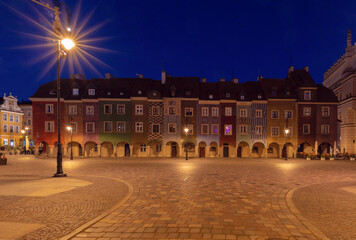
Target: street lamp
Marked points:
186	130
286	131
69	128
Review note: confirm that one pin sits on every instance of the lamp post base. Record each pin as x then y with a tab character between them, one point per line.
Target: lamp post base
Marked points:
59	175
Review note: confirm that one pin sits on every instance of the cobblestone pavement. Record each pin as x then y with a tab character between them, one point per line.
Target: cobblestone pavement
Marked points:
222	198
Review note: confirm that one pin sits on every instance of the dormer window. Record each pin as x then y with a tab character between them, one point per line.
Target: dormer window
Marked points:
139	92
188	92
52	92
109	93
274	91
121	93
210	96
259	96
91	92
154	94
307	95
242	97
75	91
227	95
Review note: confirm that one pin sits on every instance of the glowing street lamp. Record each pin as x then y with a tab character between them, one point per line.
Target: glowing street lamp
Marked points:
286	131
69	128
67	43
186	130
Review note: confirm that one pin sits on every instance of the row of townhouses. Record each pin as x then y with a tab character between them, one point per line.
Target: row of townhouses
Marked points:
139	117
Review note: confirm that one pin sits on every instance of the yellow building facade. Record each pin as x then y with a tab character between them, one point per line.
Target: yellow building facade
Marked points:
11	120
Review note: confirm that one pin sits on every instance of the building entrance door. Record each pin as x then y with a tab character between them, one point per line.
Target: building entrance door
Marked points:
239	150
226	150
202	152
174	150
127	150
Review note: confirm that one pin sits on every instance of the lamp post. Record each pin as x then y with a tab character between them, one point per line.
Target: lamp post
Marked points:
286	131
186	130
24	137
69	128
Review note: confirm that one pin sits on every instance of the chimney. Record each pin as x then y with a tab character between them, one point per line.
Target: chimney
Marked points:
290	69
306	68
108	76
235	80
164	76
203	80
222	79
349	38
77	76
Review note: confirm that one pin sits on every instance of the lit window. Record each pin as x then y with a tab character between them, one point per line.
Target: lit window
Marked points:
275	131
188	112
259	113
228	130
139	127
215	129
243	112
107	109
172	128
307	95
90	110
72	110
259	96
6	142
324	129
139	92
107	126
306	111
121	109
205	129
121	127
258	130
306	128
275	114
49	108
91	92
211	96
325	111
139	109
227	95
205	111
215	112
228	111
75	91
155	128
243	129
171	111
90	127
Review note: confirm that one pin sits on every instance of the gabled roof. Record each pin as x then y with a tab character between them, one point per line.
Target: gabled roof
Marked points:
301	78
208	89
184	87
325	94
278	88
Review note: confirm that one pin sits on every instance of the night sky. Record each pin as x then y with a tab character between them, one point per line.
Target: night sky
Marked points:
213	39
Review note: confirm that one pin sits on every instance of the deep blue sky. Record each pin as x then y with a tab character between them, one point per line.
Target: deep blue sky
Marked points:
193	38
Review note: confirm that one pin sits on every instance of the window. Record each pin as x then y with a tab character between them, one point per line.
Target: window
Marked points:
228	111
11	107
72	110
306	128
243	129
324	129
90	110
211	96
243	112
259	96
215	129
288	114
172	128
155	128
205	129
190	129
74	127
107	109
188	112
259	113
91	92
275	131
11	118
139	109
75	91
121	127
307	95
143	148
49	126
11	143
17	129
90	127
275	114
290	133
171	111
205	111
108	126
158	147
227	95
6	142
49	108
121	109
11	128
16	118
29	113
215	112
139	127
325	111
258	130
242	97
155	111
29	122
4	116
139	92
4	127
306	111
228	129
